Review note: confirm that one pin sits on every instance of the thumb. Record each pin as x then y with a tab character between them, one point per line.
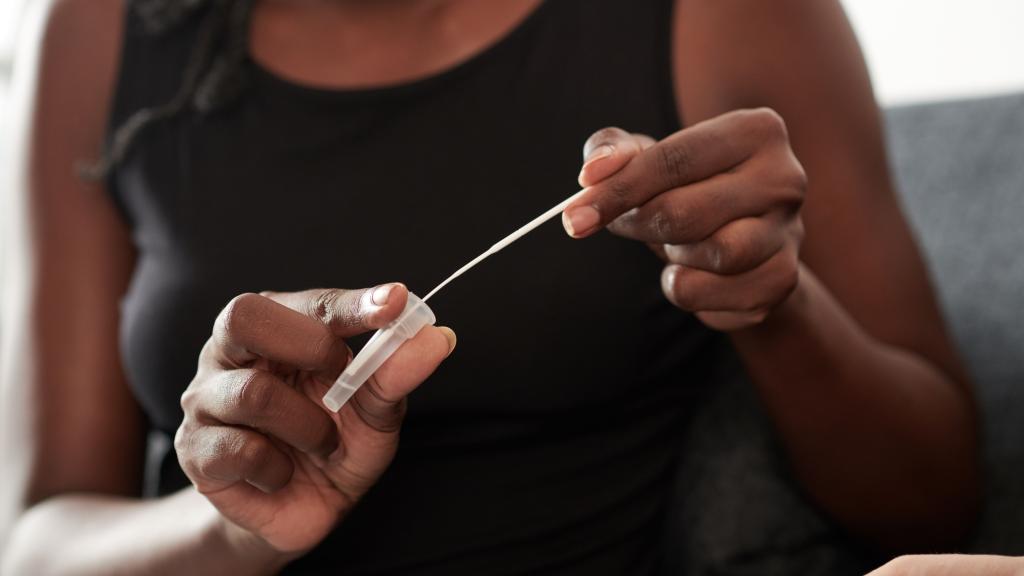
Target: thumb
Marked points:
607	151
380	403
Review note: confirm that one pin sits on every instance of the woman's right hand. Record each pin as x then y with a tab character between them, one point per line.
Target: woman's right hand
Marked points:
256	439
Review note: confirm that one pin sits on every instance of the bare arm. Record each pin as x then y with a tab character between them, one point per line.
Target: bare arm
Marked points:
273	470
84	534
775	214
855	367
72	432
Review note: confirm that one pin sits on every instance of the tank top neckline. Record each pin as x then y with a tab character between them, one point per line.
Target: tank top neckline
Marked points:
274	81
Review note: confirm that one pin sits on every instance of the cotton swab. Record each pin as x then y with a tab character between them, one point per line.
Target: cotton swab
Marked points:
506	241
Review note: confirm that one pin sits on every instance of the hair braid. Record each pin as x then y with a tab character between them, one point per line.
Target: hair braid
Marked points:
227	76
214	75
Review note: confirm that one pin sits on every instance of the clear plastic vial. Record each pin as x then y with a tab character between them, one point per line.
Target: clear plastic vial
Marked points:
378	349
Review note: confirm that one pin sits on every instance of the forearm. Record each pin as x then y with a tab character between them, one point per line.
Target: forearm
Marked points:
91	534
879	436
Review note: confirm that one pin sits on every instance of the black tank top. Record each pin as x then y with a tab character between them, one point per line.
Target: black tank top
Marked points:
545	444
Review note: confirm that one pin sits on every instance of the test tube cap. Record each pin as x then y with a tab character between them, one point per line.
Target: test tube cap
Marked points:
378	349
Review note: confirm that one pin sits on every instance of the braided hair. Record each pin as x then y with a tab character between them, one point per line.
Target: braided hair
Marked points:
214	74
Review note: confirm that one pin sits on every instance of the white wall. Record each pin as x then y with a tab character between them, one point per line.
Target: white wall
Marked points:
920	50
10	13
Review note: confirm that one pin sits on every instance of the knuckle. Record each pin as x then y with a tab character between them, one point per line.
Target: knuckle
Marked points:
254	395
186	460
338	307
721	256
209	349
662	224
220	454
793	182
217	445
675	162
255	453
189	399
324	305
205	461
192	460
674	222
798	176
236	314
181	440
786	188
727	251
767	123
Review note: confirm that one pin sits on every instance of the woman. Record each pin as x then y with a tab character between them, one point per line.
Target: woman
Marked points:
288	145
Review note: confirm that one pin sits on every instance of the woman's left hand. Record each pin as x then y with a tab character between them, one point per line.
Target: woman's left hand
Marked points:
718	201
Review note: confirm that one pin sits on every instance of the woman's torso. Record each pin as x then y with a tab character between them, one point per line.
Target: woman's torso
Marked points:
544	445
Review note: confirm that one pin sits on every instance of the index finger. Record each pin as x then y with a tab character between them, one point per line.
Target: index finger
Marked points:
347	313
690	155
252	326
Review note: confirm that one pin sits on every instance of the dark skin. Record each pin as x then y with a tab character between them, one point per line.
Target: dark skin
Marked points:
839	331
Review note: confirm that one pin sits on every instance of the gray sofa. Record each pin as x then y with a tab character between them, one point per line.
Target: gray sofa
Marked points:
960	170
961	167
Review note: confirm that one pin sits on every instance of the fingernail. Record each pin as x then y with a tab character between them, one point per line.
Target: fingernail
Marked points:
449	334
600	153
668	278
381	294
581	220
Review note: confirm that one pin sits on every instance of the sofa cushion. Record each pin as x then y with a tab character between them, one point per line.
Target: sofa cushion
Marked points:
960	171
960	168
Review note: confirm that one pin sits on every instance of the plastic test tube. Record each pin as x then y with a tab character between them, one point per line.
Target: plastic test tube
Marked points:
379	348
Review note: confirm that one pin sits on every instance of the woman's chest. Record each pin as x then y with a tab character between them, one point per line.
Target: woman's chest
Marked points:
265	199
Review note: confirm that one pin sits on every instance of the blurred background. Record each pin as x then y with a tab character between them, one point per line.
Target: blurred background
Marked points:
928	50
918	50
